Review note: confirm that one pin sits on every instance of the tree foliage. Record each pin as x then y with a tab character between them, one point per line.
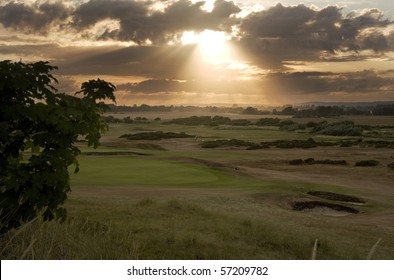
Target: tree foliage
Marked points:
39	128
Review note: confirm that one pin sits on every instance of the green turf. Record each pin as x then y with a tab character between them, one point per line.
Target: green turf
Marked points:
133	170
179	204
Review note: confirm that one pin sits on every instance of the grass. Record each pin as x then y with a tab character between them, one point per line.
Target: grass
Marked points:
180	201
182	229
129	171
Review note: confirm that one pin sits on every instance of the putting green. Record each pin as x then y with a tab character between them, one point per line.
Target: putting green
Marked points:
129	170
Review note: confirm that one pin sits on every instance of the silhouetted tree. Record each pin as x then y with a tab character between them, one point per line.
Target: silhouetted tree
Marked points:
38	130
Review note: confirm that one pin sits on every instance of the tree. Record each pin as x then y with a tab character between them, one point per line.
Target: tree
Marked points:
39	129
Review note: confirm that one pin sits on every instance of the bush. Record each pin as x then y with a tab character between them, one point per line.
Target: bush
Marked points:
367	163
296	162
111	119
230	143
290	144
378	144
391	165
311	161
157	135
202	120
346	128
268	122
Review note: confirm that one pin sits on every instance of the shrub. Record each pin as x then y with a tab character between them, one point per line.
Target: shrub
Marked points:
296	162
378	144
346	128
157	135
367	163
311	161
111	119
230	143
289	144
391	165
127	120
268	122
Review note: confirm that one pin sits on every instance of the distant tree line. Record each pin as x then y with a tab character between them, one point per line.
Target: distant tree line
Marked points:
335	111
309	111
207	109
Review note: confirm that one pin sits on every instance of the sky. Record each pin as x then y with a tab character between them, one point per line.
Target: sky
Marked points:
189	52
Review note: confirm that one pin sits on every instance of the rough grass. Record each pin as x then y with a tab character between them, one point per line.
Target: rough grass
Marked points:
176	229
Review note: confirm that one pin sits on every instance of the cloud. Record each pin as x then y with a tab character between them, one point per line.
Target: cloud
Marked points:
148	61
322	84
305	33
139	24
152	86
155	86
85	38
36	18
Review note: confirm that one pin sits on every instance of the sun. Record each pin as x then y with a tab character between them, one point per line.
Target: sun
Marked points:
213	44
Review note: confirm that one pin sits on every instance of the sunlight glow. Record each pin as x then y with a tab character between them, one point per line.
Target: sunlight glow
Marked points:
213	44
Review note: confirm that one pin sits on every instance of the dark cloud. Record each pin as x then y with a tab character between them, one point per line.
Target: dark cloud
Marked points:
375	41
324	83
156	86
139	24
137	21
194	86
149	61
223	9
34	18
277	38
272	30
282	33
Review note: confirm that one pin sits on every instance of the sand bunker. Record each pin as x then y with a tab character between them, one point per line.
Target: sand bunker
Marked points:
324	208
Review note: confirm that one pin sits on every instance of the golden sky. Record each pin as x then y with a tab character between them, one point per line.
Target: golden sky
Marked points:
252	52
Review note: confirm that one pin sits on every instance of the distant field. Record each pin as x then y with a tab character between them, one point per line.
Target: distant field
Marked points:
173	199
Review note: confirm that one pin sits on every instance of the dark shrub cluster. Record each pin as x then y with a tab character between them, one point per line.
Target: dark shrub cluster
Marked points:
378	144
391	165
230	143
156	135
112	119
268	122
311	161
345	128
370	162
209	121
290	144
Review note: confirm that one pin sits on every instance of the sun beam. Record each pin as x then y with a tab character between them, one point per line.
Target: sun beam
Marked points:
213	44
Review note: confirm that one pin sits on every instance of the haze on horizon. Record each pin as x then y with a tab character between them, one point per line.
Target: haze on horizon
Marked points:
209	52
